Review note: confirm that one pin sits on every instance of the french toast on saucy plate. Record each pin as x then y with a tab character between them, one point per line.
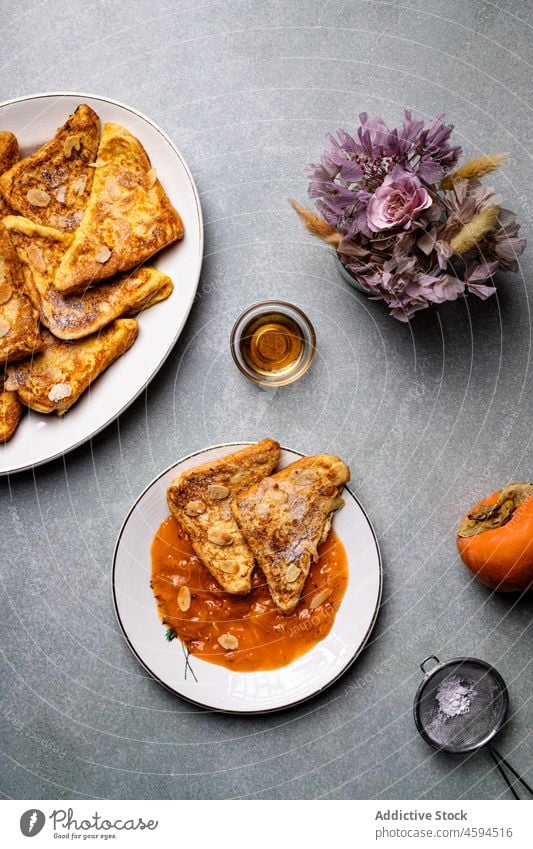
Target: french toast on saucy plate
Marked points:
236	513
285	517
200	499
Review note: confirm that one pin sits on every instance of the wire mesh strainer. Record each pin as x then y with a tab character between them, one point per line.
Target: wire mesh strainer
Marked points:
481	709
460	706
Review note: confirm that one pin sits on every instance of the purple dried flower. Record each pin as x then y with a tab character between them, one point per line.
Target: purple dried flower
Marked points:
436	155
445	287
503	242
352	169
381	190
502	246
398	201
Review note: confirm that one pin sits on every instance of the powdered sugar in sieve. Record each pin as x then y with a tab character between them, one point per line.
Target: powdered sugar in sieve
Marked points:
459	704
455	695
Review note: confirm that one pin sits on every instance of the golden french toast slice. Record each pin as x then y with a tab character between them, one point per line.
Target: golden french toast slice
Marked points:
9	150
9	154
10	413
54	380
19	321
128	217
19	332
285	517
40	250
201	501
52	185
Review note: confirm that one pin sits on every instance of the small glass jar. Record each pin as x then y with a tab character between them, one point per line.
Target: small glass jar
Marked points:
273	343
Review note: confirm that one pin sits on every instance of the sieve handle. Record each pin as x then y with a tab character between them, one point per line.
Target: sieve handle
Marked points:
429	657
499	760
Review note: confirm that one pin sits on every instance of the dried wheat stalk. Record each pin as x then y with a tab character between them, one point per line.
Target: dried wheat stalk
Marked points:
472	233
475	169
316	225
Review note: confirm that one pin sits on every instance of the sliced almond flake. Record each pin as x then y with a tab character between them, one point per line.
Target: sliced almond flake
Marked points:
78	185
12	383
228	568
5	293
71	143
219	537
151	177
61	194
102	254
262	509
112	188
320	598
121	229
311	547
38	197
184	599
292	574
228	642
98	163
36	258
305	477
217	492
195	508
58	221
5	327
59	392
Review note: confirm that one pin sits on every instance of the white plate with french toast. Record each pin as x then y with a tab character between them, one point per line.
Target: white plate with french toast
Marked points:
247	577
101	243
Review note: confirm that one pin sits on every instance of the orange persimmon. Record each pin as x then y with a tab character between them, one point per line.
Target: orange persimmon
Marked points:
495	540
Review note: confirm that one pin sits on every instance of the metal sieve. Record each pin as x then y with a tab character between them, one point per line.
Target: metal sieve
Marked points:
460	706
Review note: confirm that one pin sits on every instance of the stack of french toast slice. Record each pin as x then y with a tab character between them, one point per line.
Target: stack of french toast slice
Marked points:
237	511
78	217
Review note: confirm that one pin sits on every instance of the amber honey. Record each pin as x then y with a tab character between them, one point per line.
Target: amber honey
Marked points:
273	343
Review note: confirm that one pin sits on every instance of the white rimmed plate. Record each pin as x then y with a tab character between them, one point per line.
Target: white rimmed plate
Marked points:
41	438
214	686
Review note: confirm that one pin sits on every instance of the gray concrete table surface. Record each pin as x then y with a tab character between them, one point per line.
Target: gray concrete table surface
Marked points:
430	417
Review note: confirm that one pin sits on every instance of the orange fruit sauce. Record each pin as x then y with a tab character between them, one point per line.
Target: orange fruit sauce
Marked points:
266	638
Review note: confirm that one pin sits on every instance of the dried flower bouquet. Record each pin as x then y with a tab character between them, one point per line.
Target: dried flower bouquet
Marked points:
406	225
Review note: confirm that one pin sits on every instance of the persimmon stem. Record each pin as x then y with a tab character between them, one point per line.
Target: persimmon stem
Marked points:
487	517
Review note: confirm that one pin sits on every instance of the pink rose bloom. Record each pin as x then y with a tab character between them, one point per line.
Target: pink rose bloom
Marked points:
397	202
